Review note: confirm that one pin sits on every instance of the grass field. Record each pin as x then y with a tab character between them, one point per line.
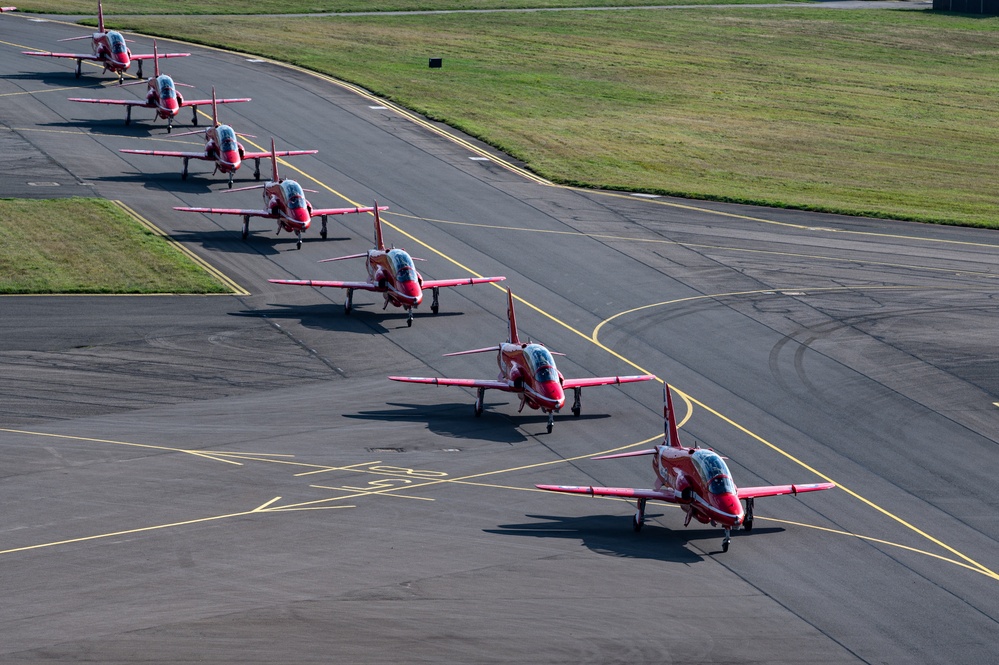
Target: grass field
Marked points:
89	246
122	7
887	113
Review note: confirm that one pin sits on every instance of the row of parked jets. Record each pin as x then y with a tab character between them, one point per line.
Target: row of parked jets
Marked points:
696	479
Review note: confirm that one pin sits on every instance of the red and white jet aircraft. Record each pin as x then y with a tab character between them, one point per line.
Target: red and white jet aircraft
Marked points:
526	368
695	478
162	96
285	202
109	49
392	273
222	148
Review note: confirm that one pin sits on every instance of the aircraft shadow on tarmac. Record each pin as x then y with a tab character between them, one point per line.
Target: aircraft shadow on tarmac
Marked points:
141	127
61	79
329	316
452	419
261	241
161	182
455	419
612	535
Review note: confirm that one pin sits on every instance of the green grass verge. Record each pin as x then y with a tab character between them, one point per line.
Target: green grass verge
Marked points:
880	113
89	246
114	8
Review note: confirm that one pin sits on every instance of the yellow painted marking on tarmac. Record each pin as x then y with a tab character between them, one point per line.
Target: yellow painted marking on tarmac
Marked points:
794	459
207	267
347	488
693	245
327	469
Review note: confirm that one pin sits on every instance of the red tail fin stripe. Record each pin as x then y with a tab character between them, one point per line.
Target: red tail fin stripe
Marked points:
669	419
511	315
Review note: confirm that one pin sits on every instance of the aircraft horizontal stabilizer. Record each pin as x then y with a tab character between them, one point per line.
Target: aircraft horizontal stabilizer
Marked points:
465	353
665	494
341	258
634	453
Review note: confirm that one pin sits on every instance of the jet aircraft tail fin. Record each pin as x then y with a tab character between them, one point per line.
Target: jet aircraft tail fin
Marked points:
274	164
669	419
514	338
379	243
100	17
156	61
215	109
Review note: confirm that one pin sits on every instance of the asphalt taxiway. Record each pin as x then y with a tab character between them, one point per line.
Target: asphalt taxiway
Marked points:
233	479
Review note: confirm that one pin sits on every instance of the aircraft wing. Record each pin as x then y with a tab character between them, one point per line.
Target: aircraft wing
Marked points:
605	380
280	153
150	56
777	490
76	56
120	102
363	286
665	494
440	283
206	102
316	212
229	211
465	383
168	153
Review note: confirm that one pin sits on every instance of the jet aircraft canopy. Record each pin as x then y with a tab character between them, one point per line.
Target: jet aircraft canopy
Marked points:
541	362
713	471
227	138
402	263
117	43
165	85
293	194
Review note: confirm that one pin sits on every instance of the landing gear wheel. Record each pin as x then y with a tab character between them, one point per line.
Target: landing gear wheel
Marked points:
479	399
747	523
298	245
322	233
348	304
724	546
576	404
409	319
256	166
194	118
639	519
231	174
728	539
246	227
435	305
79	69
551	421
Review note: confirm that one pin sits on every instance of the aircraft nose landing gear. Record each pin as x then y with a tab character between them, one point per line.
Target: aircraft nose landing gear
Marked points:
551	421
727	539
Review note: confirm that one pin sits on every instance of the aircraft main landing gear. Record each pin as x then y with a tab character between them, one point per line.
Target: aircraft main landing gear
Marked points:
139	72
128	115
480	396
256	168
576	406
348	304
194	119
747	523
435	305
183	174
727	540
322	233
246	226
79	68
639	519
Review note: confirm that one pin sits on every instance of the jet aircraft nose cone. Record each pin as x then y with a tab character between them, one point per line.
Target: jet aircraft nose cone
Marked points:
301	215
231	157
730	505
552	391
412	291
